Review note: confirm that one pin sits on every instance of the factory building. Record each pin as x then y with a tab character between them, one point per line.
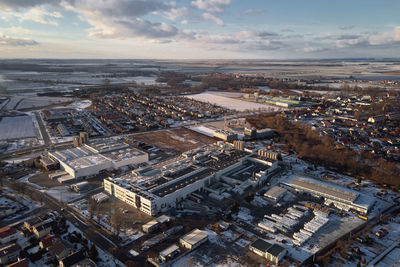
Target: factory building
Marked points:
225	135
193	239
91	158
276	193
169	253
160	193
339	196
272	252
198	171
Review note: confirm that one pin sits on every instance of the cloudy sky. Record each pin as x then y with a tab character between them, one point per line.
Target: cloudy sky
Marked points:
199	29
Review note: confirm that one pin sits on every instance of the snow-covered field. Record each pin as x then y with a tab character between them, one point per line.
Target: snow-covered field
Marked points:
16	127
221	99
80	104
27	102
34	102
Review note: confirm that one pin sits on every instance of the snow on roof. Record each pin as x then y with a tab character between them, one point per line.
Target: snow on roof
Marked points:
194	236
203	130
325	188
169	250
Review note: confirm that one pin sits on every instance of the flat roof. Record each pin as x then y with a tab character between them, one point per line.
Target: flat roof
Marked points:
104	145
180	183
71	153
88	161
194	236
325	189
85	156
169	250
246	170
123	153
150	223
275	192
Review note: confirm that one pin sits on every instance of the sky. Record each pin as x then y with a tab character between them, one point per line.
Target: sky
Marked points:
199	29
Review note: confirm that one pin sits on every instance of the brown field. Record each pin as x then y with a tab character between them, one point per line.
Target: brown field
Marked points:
179	140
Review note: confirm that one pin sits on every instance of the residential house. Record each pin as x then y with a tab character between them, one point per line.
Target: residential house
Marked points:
59	250
76	259
20	263
7	234
9	253
42	229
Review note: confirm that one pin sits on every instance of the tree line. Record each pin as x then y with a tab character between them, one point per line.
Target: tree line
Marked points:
322	150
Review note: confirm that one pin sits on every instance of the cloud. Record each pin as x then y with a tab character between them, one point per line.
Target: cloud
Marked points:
123	19
351	42
265	45
11	41
346	27
312	49
18	30
123	9
214	18
386	37
174	13
241	41
39	14
211	6
253	11
22	4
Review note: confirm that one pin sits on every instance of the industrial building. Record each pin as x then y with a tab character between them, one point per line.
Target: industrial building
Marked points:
272	252
339	196
151	226
169	253
198	171
193	239
95	156
276	193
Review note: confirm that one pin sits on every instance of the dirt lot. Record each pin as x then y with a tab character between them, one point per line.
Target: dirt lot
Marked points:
131	218
179	140
43	180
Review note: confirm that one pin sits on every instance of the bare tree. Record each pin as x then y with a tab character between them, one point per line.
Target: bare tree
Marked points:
91	207
2	178
97	214
116	222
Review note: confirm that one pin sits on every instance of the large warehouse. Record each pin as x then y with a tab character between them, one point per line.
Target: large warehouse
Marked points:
91	158
338	195
173	183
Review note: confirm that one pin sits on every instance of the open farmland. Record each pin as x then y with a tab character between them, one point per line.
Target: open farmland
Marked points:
232	103
180	140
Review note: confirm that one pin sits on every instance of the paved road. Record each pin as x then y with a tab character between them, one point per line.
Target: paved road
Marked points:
42	128
101	238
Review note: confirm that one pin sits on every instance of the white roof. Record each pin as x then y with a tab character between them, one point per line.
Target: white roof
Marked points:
169	250
194	236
